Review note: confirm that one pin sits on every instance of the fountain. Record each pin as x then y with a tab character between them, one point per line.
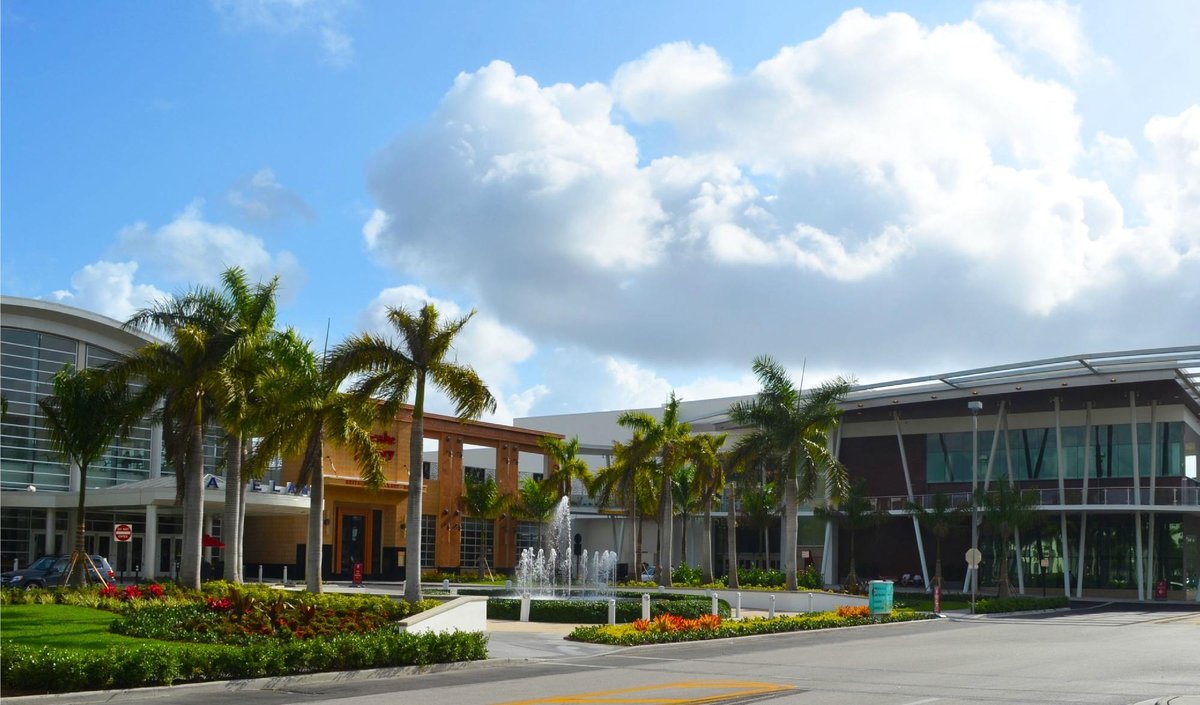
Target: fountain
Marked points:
544	574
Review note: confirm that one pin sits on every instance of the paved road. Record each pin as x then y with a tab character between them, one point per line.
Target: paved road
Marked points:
1100	655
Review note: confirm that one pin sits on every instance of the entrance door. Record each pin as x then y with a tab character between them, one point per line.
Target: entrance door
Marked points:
170	548
354	542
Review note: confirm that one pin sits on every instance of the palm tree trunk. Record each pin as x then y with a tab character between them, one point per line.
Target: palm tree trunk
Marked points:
1003	587
316	517
666	510
77	568
416	486
852	578
230	525
731	535
937	568
241	549
706	558
193	510
787	543
683	539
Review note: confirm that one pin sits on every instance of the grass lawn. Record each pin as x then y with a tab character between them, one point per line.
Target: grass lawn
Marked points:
64	627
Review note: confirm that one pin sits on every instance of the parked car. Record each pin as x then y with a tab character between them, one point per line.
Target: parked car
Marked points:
50	571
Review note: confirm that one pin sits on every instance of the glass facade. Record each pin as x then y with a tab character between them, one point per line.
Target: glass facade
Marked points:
127	459
28	362
1034	453
428	539
528	533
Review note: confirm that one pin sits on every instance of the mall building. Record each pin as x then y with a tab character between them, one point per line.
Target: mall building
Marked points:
1107	443
133	484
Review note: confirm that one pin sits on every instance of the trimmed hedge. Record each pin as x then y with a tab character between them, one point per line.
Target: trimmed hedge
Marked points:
996	605
627	635
50	670
596	611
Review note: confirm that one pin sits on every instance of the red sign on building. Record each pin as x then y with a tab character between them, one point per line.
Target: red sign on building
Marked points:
122	533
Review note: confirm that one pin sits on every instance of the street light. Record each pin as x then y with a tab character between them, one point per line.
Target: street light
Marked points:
975	407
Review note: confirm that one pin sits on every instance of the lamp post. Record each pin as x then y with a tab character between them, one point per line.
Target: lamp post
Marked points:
975	407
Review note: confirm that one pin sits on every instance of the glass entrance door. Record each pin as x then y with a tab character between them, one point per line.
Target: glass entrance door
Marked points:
170	548
354	542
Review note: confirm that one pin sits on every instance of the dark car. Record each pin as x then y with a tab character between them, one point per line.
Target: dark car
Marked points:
50	571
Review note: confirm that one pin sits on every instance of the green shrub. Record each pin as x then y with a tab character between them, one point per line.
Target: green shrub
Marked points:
596	611
627	635
29	670
686	575
994	605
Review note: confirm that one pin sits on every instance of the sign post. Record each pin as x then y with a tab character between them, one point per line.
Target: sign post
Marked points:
357	573
122	533
974	556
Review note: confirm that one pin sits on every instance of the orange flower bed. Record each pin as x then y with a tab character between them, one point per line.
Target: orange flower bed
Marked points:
848	611
675	623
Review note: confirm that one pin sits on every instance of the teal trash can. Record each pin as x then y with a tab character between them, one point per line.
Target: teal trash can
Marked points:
880	594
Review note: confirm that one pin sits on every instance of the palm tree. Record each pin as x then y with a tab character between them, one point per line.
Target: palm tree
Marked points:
565	464
627	480
1006	510
483	502
856	512
669	442
87	410
760	504
254	311
392	370
305	409
185	374
710	464
535	502
796	426
686	502
938	519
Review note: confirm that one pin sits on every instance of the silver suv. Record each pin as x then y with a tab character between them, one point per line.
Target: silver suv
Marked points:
50	571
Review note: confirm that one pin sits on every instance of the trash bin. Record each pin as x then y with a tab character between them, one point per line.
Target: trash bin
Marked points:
879	595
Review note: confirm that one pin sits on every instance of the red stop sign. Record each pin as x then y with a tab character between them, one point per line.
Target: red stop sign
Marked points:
122	533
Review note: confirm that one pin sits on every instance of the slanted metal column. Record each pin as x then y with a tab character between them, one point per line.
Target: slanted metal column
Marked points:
829	545
1001	418
1153	500
908	484
1137	496
1062	495
1087	469
1012	482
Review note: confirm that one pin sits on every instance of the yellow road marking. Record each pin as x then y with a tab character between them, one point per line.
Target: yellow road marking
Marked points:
735	689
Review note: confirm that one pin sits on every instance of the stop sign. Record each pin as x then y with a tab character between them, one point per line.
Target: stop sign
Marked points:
122	533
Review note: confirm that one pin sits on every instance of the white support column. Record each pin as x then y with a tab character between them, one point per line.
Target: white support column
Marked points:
51	515
150	543
1001	418
1083	500
1062	495
908	484
829	545
1137	496
1153	500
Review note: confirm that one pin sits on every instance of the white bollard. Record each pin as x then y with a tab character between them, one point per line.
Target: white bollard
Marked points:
646	607
446	583
285	575
771	613
612	611
260	573
662	588
737	610
810	599
714	605
525	607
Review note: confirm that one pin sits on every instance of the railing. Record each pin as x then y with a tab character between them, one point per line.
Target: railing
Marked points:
1096	496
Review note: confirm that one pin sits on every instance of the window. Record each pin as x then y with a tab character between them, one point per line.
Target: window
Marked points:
476	537
527	535
428	539
474	474
429	470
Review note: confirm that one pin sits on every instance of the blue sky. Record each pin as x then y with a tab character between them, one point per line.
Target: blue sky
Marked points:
636	197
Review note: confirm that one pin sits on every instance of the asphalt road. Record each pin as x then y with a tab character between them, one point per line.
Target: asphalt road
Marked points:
1078	656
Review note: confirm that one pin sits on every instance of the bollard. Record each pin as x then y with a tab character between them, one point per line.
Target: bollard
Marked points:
737	610
646	607
446	583
285	575
771	613
714	605
525	607
260	573
810	599
507	585
16	562
662	588
612	611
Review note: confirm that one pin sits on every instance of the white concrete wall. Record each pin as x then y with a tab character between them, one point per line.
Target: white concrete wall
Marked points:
463	614
784	601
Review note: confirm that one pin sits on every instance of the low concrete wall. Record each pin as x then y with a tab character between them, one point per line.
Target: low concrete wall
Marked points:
464	614
784	601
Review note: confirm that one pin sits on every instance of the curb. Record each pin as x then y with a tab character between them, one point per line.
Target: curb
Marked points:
256	684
